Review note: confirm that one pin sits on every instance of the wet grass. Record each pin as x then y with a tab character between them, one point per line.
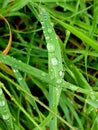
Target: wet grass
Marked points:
48	65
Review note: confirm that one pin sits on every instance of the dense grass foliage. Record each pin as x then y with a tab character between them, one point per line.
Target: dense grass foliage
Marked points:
48	65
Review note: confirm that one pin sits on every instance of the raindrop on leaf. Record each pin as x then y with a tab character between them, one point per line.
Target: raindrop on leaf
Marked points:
54	61
5	117
2	103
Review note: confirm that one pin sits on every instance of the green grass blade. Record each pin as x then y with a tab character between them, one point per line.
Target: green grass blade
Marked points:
25	68
4	110
54	61
79	34
21	108
24	86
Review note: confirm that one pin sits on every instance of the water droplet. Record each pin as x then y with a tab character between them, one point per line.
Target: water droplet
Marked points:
52	24
43	74
47	38
72	87
6	117
42	22
44	31
56	37
59	81
43	28
49	30
15	70
58	92
61	74
19	79
1	91
54	61
51	70
50	47
19	61
18	88
2	103
64	9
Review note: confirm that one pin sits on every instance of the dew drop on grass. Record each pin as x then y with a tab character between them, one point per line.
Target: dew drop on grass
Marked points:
42	22
50	47
19	61
56	37
52	24
6	117
15	70
59	81
74	88
44	32
61	74
19	79
54	61
43	74
2	103
1	91
49	30
43	27
47	38
52	74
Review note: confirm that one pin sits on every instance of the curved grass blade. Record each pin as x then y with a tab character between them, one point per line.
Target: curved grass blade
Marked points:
14	6
79	34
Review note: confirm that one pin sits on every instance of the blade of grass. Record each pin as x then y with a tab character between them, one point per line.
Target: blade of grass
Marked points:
21	108
69	104
54	61
4	110
25	68
37	100
17	5
79	34
23	84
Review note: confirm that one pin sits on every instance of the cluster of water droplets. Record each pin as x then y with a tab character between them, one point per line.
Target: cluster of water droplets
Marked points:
47	30
59	81
15	70
49	33
5	116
